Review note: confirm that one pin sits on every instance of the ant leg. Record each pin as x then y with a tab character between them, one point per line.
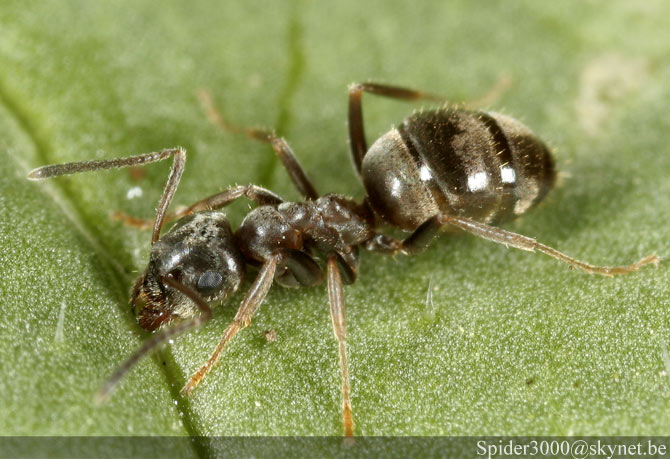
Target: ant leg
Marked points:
414	243
357	140
159	338
347	263
356	131
422	236
253	299
297	269
252	192
179	155
336	300
140	223
518	241
279	145
259	195
493	94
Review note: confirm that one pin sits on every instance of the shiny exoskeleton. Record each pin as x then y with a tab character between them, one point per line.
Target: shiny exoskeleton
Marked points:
447	167
484	166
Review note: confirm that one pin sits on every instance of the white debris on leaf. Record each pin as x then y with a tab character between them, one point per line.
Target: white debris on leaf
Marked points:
134	192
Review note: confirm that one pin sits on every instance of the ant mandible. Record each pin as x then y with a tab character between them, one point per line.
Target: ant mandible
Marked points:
442	167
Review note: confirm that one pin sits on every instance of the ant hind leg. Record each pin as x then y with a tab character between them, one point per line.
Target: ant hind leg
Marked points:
412	244
519	241
425	233
357	140
358	144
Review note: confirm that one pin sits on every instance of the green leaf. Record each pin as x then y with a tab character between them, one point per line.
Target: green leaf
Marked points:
511	343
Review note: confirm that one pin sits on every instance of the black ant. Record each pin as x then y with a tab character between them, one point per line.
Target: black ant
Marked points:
443	167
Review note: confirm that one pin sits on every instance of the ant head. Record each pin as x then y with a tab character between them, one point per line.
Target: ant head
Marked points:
198	252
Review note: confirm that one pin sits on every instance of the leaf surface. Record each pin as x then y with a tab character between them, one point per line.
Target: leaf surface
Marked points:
511	343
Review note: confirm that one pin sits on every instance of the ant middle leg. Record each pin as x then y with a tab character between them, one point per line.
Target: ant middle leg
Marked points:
255	193
279	145
252	301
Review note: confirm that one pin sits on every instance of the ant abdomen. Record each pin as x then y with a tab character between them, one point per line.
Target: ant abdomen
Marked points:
483	166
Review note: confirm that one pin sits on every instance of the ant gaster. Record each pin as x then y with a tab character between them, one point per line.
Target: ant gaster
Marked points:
446	167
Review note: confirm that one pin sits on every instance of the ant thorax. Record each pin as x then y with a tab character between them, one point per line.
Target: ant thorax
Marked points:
331	223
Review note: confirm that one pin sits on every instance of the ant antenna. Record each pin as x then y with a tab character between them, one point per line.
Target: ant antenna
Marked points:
158	339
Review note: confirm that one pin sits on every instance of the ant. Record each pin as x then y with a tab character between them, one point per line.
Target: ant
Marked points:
445	167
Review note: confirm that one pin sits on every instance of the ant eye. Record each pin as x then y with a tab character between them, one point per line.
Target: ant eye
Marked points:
211	280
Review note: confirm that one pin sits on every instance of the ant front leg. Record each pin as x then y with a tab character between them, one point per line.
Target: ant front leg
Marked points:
279	145
336	301
252	301
179	155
